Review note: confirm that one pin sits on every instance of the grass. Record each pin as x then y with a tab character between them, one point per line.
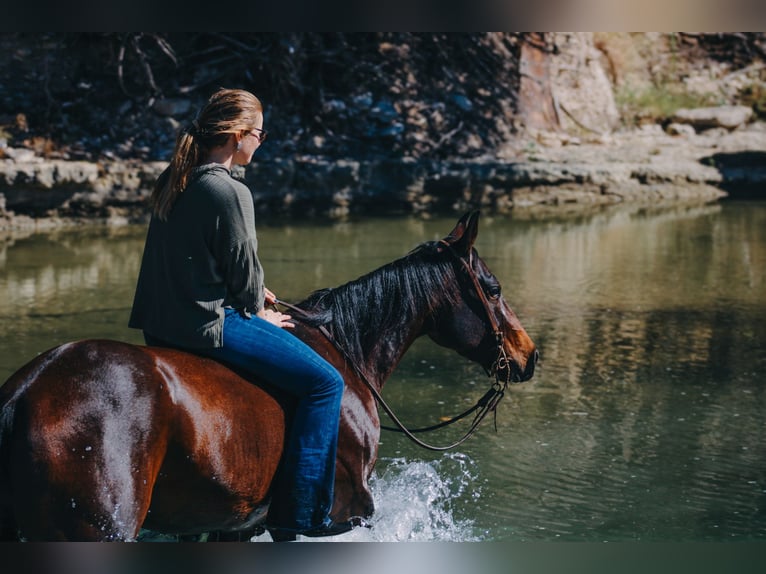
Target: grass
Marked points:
658	103
754	95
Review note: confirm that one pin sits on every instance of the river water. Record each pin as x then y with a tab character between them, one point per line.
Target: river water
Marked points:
646	419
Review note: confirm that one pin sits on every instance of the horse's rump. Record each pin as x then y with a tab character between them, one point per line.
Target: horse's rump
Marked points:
119	427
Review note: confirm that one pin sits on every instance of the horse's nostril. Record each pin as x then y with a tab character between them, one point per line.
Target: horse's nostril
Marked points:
529	370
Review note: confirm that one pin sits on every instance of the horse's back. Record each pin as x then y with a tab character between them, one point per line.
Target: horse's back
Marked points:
94	432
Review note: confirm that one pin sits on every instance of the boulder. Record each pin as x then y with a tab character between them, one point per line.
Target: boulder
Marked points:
172	106
676	129
729	117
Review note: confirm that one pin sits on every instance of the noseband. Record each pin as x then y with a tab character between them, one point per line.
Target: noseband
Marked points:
486	404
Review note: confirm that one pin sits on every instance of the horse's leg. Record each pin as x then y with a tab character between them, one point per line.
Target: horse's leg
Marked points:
85	457
87	494
94	509
357	452
353	497
235	536
8	530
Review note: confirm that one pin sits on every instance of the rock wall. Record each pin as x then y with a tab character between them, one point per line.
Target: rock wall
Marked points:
558	134
564	86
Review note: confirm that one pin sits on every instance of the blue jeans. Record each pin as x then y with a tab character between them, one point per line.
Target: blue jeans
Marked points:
302	492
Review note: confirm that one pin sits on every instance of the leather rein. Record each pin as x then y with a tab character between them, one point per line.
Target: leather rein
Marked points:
485	405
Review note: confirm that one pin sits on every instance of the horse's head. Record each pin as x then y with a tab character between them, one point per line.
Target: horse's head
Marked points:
480	325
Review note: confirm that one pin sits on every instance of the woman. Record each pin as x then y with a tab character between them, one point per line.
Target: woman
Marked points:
201	288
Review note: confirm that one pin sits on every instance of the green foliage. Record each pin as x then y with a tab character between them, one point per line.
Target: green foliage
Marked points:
658	103
754	95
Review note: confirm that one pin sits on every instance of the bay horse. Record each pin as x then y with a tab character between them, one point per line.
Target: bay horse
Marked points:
100	439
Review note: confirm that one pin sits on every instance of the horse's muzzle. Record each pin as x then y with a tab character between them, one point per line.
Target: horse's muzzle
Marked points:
529	369
518	374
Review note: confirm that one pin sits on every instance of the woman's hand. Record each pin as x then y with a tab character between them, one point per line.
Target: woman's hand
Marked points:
269	297
276	318
272	316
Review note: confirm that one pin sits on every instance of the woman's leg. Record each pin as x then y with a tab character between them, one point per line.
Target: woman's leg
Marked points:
303	495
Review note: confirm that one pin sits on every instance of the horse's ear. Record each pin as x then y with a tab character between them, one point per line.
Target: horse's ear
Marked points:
462	237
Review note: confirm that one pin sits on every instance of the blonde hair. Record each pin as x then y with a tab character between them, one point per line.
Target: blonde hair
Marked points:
226	112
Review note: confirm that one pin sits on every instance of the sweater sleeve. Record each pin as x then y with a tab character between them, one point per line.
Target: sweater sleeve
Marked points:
236	250
244	277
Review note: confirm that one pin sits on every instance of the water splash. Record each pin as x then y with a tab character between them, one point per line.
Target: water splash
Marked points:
417	501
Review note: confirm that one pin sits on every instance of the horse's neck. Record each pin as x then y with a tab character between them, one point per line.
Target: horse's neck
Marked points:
379	358
378	316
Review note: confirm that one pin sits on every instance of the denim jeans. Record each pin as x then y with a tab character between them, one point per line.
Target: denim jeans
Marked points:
302	492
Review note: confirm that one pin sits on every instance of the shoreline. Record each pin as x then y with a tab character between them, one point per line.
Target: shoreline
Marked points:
539	169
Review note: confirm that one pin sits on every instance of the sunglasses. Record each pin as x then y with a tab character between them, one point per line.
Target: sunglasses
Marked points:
259	133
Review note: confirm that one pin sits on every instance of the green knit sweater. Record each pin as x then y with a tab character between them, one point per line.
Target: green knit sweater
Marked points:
201	259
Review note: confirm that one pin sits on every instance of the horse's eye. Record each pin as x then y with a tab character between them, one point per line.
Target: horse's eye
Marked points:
494	291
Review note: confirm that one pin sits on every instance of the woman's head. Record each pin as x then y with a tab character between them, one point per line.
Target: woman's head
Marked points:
229	118
227	112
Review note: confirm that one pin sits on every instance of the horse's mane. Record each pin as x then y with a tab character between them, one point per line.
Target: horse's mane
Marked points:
358	311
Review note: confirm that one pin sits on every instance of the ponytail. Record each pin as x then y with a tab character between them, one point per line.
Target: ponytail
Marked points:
173	180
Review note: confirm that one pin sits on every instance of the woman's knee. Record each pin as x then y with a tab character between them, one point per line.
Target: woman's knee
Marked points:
329	382
333	381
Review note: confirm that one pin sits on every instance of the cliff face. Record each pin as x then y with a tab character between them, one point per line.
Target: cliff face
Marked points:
564	86
596	83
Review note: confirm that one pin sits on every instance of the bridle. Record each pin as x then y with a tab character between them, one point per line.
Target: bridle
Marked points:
502	362
485	405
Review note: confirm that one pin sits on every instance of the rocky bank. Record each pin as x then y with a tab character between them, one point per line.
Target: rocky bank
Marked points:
643	165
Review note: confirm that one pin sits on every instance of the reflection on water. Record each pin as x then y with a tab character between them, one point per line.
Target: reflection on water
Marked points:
63	286
646	418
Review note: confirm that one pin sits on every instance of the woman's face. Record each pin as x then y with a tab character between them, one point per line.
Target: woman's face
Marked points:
249	142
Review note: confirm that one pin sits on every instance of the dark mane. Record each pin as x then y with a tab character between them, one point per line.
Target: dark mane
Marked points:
357	312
